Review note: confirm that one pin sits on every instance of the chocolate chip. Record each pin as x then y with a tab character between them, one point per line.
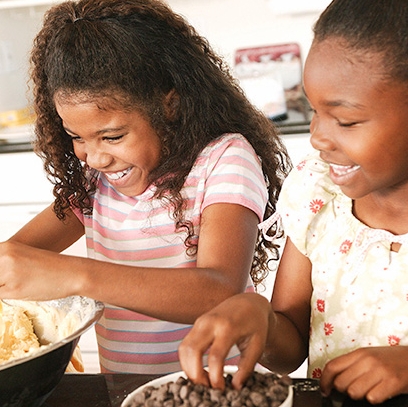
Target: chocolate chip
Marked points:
260	390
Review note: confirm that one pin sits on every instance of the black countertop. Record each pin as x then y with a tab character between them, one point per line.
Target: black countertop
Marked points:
99	390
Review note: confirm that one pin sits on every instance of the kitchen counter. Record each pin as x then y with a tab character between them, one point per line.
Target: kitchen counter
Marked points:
99	390
16	147
16	139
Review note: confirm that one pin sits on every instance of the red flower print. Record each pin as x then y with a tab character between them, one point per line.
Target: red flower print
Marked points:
328	329
393	340
345	246
301	165
320	305
316	205
317	373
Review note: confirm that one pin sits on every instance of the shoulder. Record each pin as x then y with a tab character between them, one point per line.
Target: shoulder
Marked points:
227	152
309	201
228	142
228	170
311	176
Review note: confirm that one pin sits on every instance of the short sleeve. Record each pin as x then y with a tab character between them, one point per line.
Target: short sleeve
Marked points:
233	174
306	203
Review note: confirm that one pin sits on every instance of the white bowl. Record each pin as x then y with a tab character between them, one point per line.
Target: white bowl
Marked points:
127	402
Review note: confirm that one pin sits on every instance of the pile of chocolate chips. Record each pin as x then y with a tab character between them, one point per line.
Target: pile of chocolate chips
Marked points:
260	390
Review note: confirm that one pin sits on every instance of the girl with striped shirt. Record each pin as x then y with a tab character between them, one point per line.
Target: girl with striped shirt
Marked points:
159	159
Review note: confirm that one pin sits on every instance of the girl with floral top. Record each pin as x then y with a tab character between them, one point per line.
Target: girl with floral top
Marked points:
341	291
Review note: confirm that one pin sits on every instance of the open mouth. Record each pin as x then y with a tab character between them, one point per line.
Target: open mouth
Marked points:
341	170
114	176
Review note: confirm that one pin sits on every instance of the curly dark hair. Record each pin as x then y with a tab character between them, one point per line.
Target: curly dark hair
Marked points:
135	52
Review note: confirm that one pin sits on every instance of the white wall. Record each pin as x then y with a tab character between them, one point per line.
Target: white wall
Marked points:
228	25
17	29
233	24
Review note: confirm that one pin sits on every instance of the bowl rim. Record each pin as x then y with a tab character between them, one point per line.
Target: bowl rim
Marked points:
96	314
127	402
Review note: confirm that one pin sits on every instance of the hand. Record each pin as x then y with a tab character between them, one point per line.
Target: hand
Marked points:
241	320
376	373
28	273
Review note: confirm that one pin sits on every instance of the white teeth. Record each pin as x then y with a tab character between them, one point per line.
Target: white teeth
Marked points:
343	169
114	176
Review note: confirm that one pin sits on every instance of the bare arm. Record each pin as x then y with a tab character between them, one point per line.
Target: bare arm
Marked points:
227	240
47	232
277	331
289	324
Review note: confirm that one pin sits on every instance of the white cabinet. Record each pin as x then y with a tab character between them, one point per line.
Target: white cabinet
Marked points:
23	179
25	191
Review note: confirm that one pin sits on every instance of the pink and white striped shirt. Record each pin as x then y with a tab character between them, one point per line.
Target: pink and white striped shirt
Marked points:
138	231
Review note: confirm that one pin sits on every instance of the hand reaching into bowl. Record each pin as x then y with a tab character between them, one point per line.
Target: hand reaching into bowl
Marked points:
230	323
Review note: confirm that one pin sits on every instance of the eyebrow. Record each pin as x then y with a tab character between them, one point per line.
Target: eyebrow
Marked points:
341	102
99	132
338	102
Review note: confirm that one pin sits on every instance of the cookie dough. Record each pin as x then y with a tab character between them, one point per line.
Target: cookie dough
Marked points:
28	326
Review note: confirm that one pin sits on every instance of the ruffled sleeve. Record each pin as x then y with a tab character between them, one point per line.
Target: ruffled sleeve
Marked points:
306	203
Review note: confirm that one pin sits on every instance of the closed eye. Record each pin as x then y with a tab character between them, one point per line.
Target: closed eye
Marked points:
351	124
113	139
74	138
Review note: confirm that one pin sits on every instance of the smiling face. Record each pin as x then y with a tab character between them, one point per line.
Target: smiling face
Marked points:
360	122
121	145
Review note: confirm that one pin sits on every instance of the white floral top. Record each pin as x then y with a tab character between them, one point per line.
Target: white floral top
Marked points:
360	287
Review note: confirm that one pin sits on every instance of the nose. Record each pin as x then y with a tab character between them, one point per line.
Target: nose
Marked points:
97	158
320	139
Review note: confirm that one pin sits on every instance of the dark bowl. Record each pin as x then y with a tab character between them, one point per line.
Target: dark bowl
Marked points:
28	381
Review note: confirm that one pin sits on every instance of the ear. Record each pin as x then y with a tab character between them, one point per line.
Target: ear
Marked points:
171	104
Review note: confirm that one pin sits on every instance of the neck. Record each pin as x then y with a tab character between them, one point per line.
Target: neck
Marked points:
386	214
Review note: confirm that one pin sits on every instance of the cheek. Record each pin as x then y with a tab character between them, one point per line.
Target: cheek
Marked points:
146	156
79	151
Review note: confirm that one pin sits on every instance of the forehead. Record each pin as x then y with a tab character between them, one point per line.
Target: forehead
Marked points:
334	53
105	100
330	64
337	77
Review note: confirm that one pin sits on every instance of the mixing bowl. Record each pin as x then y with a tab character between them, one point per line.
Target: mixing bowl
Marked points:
28	381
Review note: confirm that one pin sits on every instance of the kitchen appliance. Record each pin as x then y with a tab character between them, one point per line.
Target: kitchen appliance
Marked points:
271	77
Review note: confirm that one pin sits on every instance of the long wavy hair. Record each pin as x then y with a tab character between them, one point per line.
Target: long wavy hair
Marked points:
134	53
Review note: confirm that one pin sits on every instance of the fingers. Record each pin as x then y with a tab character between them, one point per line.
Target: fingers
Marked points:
241	320
372	373
190	354
212	332
220	342
352	381
384	390
216	358
247	362
370	385
331	373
